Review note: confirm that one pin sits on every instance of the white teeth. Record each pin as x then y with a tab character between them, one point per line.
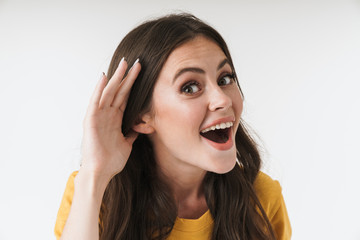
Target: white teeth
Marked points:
218	126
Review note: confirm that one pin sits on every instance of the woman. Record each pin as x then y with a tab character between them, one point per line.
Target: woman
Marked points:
161	143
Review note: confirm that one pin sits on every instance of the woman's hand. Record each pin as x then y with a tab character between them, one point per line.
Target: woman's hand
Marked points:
105	150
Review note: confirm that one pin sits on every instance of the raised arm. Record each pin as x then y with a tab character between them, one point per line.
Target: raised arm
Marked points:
105	151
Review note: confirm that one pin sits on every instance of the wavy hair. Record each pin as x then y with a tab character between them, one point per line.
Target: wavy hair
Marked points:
137	204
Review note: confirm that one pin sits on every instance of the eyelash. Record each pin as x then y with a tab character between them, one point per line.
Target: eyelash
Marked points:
197	84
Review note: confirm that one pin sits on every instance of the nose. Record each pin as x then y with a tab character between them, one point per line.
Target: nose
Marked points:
218	99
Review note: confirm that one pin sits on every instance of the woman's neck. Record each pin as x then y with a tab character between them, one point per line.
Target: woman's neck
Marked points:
188	191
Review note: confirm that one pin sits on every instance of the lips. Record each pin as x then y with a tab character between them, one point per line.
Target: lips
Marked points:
218	132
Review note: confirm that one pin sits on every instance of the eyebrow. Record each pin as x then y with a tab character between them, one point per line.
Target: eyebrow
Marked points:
199	70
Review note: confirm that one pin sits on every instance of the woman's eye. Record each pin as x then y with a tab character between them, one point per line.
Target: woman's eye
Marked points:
226	80
190	88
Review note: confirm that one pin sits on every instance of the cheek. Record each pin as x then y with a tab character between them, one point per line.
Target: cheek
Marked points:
237	102
240	105
179	113
177	129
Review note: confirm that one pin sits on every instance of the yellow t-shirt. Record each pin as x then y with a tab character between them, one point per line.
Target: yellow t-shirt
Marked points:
267	190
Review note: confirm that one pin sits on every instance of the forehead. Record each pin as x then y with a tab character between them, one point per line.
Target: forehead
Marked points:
197	52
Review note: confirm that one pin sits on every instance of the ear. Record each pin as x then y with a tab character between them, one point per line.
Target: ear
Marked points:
143	125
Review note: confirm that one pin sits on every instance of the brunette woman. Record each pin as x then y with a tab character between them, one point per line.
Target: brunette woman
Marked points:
165	154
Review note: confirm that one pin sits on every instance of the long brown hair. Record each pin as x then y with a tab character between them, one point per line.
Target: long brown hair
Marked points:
136	203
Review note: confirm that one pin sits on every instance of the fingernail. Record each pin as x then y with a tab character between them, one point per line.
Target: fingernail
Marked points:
121	60
136	61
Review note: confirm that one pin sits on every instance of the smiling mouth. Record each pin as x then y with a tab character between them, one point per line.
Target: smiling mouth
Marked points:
218	133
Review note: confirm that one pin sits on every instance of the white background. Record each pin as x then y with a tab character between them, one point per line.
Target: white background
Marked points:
298	64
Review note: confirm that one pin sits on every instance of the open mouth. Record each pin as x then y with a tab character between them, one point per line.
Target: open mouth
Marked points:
219	133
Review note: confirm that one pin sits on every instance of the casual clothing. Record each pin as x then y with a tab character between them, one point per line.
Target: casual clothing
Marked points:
267	190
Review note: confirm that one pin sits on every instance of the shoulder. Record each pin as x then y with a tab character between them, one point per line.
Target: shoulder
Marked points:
69	189
270	196
268	191
65	205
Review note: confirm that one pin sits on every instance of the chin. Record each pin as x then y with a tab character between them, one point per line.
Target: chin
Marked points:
225	167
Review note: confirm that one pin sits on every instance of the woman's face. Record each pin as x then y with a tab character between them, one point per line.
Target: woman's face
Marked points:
196	108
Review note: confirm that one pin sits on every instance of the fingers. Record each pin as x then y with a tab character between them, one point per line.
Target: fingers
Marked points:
111	88
125	86
115	91
96	95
